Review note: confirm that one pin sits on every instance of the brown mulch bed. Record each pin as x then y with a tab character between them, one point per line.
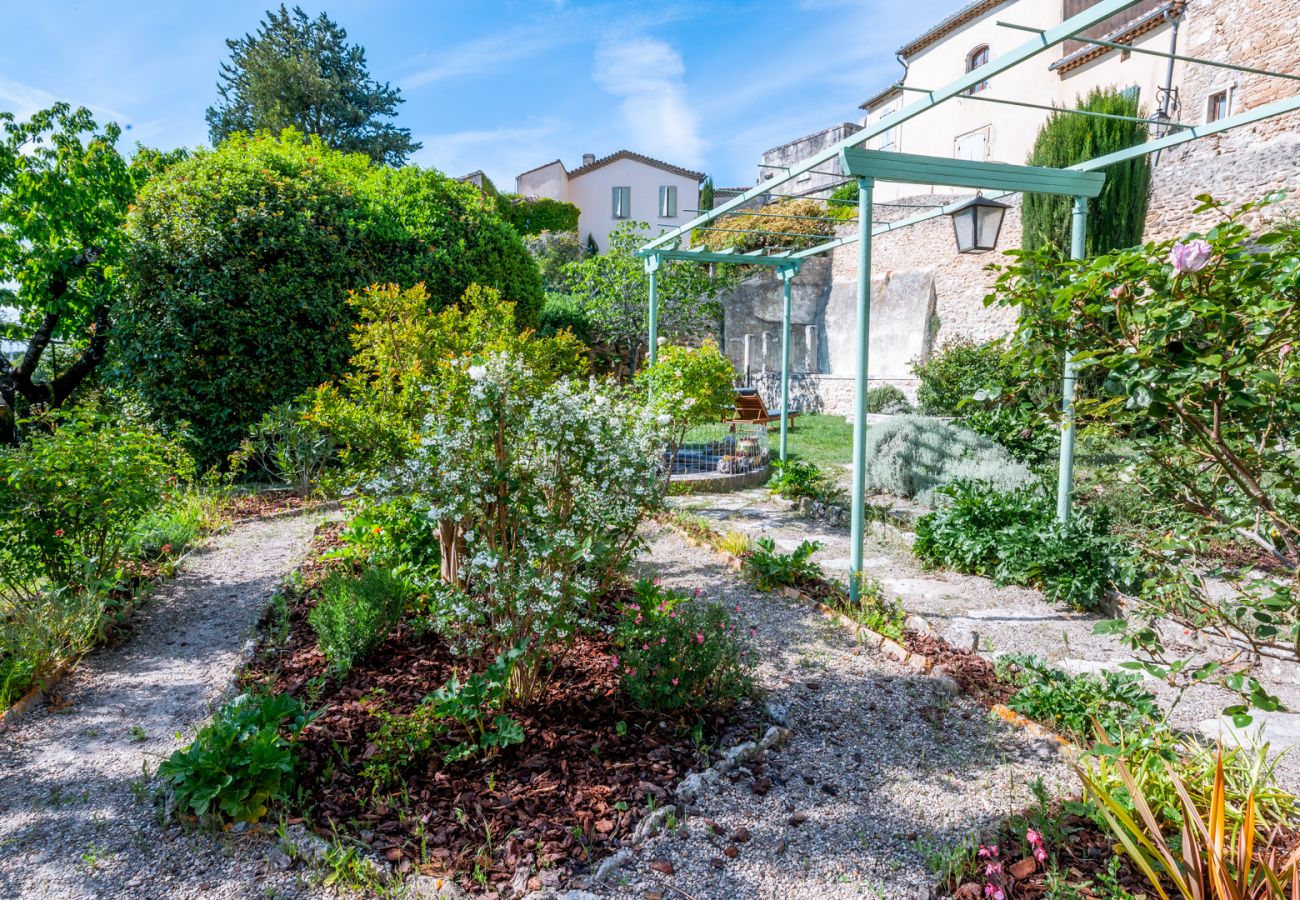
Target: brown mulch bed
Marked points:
572	791
263	503
974	674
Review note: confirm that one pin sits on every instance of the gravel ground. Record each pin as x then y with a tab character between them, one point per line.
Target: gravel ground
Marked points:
78	816
880	763
967	608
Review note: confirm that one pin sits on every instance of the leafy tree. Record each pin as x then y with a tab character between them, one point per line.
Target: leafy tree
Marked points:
614	289
241	260
1117	217
64	193
301	73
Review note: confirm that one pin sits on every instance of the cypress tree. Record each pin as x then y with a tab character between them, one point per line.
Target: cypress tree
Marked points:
1117	217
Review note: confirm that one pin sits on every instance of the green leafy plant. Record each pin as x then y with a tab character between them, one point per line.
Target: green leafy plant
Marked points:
769	569
737	543
395	535
954	374
680	654
240	762
460	720
1014	538
874	608
534	215
72	495
794	479
355	614
1116	703
287	445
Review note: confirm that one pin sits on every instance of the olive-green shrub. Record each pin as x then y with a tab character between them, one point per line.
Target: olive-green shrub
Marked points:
912	456
240	259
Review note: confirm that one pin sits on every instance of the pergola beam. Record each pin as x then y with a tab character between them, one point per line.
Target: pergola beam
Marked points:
1088	113
1070	28
909	168
1192	133
1179	57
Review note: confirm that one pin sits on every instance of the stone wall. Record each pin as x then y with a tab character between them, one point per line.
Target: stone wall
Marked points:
1245	163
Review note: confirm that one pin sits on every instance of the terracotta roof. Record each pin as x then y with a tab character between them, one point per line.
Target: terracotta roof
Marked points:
968	13
1128	32
635	157
879	95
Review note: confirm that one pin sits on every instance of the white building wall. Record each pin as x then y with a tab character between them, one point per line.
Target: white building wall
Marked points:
592	193
548	181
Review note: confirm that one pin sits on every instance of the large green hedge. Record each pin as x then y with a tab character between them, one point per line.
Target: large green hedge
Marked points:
240	260
533	215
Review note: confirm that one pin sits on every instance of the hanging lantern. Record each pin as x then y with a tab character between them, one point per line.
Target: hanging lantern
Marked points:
977	223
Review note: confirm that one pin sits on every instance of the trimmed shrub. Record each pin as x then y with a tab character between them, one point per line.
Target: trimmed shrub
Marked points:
955	374
355	614
786	221
887	400
913	456
240	260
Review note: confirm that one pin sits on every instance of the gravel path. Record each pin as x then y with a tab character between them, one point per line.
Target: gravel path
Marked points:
968	609
78	817
880	763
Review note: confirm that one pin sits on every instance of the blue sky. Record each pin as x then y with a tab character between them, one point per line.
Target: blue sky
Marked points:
502	85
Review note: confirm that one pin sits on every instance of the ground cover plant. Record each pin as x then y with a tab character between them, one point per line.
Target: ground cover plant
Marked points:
1013	537
1110	703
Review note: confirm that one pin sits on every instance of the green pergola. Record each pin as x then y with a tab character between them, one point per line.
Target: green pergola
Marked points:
1081	182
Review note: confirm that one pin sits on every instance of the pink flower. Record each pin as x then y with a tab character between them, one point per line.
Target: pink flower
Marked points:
699	637
674	682
989	851
663	640
994	892
1040	854
993	868
614	660
1190	257
1033	836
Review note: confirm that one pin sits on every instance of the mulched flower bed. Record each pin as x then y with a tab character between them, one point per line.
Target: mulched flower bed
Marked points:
263	503
572	791
974	674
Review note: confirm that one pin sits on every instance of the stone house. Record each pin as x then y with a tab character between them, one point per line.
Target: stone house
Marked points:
924	293
615	189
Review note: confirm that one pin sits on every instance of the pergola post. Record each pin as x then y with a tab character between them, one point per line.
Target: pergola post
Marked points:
787	274
652	269
1065	471
859	499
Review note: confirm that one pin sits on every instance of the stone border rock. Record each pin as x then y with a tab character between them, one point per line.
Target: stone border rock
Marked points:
718	483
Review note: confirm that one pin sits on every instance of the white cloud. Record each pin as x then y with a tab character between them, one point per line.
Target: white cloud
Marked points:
500	152
23	99
647	76
484	55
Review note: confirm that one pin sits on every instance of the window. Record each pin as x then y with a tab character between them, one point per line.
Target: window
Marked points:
973	146
976	58
888	140
1219	106
622	202
668	202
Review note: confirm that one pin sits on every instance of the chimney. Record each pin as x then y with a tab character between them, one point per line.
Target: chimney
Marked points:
588	158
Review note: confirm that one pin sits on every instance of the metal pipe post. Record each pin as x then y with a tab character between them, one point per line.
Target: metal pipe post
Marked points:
652	269
1065	472
787	276
858	536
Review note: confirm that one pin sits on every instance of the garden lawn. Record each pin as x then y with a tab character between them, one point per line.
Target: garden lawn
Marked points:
825	441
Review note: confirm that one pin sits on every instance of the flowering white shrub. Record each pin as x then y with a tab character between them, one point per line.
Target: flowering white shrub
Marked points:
536	494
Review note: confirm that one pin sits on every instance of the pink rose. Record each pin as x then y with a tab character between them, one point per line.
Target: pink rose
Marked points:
1190	257
699	637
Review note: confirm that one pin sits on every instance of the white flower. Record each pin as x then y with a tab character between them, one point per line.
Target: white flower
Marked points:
664	419
478	373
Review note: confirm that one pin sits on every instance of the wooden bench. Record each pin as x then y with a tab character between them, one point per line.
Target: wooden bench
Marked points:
750	408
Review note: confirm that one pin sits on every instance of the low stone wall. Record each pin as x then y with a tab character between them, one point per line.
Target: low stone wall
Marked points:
717	483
